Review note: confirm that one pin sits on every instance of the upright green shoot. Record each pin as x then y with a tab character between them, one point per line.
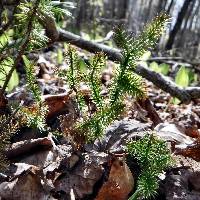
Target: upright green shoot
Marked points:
125	81
153	157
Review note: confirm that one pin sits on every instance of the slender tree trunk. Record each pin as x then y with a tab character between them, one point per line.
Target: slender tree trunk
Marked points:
80	14
184	28
170	6
178	24
195	14
1	10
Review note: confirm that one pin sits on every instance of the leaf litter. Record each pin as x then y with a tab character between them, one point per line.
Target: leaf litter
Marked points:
44	168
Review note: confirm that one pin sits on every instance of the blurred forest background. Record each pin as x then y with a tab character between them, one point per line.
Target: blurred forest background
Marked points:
98	17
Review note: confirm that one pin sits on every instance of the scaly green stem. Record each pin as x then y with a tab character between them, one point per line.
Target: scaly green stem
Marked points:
135	195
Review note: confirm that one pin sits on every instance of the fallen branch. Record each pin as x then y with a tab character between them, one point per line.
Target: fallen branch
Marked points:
164	83
28	146
112	53
185	95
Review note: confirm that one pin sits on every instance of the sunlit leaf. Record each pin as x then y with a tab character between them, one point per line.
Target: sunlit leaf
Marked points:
154	66
14	81
59	56
182	77
164	68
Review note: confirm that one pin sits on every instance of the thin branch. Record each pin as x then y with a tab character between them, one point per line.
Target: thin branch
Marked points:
174	59
185	95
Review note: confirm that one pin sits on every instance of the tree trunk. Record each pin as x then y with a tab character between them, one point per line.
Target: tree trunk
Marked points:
178	24
168	9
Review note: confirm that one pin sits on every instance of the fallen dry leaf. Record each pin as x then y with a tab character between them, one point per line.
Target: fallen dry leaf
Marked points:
82	178
173	133
26	185
120	182
57	104
117	134
191	151
28	146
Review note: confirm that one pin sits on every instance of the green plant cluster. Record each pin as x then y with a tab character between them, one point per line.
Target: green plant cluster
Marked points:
87	74
25	32
20	34
35	116
96	111
125	81
153	157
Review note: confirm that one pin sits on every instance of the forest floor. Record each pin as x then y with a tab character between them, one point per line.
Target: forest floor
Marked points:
49	167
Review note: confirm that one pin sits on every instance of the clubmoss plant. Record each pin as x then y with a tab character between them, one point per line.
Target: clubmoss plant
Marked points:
151	153
34	116
25	32
125	81
20	34
153	157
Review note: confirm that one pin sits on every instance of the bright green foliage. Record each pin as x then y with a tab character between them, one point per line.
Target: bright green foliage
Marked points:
127	83
162	68
182	77
53	8
132	50
31	79
95	67
27	33
193	77
153	157
4	39
87	74
124	83
74	74
6	62
95	126
7	129
46	8
35	116
59	56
